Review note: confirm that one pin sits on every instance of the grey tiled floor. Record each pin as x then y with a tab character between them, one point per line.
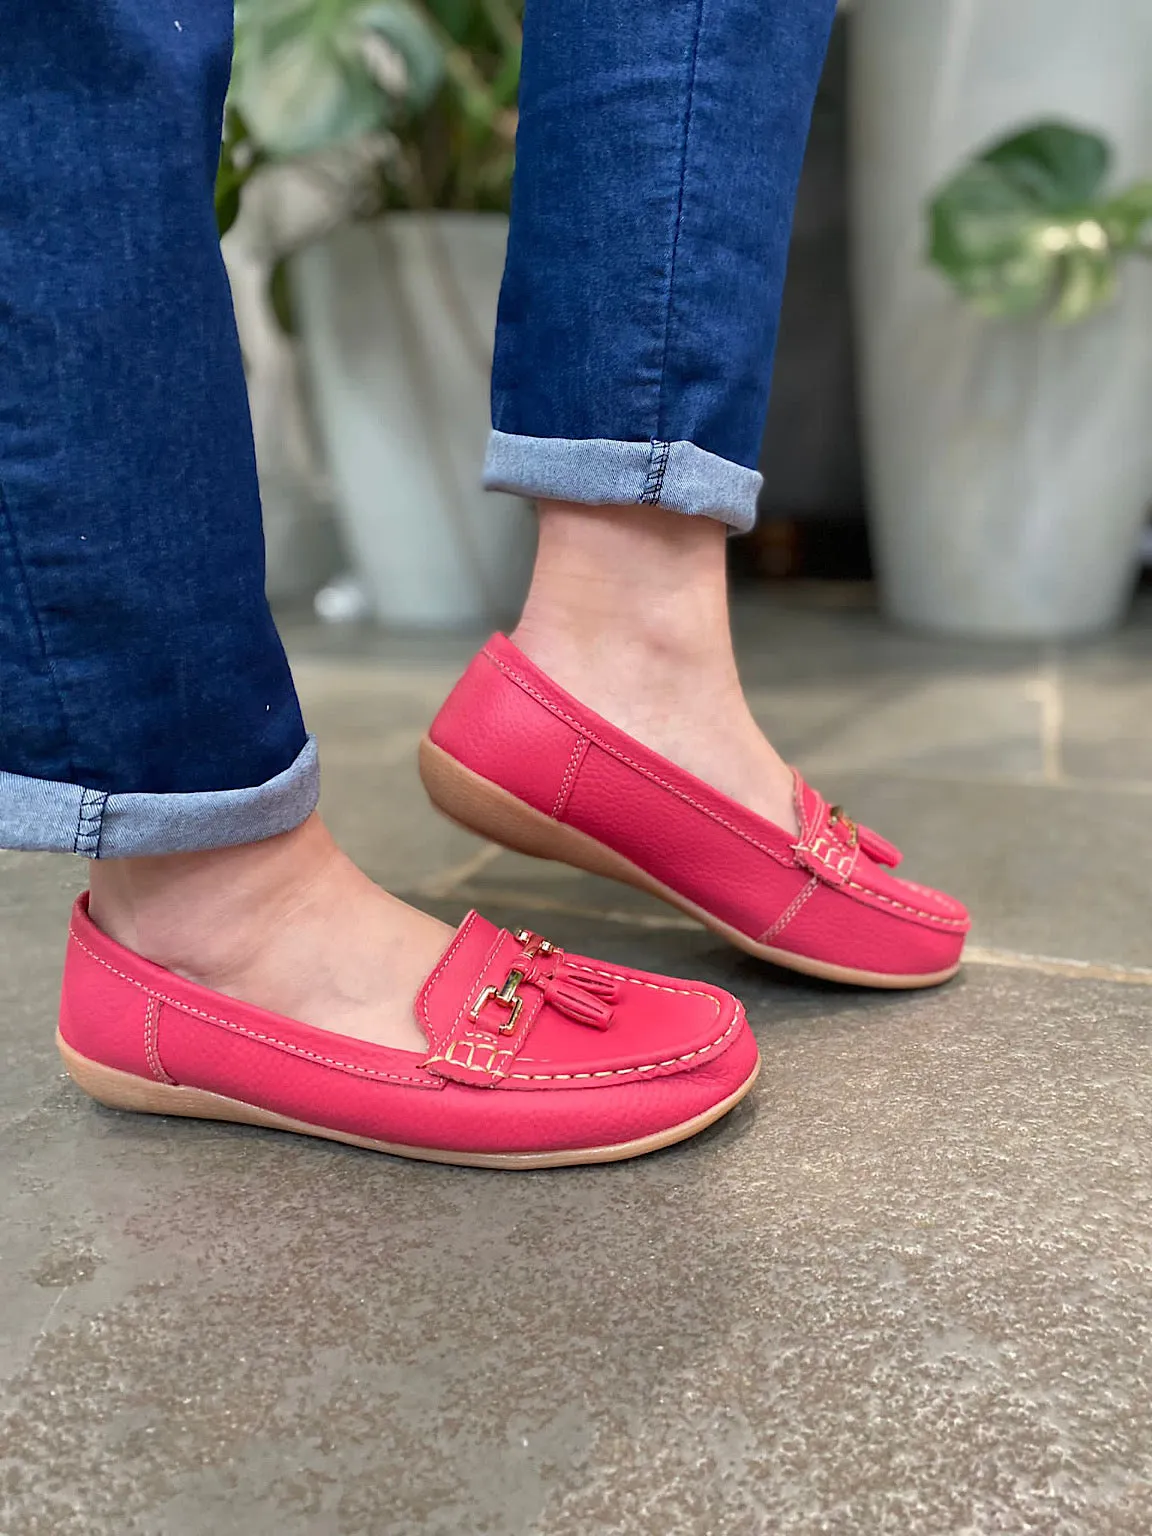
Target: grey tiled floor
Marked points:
906	1289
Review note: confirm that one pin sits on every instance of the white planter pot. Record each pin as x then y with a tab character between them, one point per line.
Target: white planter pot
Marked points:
1010	464
396	321
301	544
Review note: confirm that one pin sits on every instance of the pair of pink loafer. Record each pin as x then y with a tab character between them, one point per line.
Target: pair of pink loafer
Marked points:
535	1058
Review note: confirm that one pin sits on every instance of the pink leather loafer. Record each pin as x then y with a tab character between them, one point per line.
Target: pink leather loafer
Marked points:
536	1058
518	760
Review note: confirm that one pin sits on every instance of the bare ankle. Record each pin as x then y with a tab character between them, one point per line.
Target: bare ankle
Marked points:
164	906
289	924
628	610
629	587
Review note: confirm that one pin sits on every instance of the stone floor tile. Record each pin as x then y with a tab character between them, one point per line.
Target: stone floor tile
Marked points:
785	638
383	817
904	1290
359	707
1044	869
305	638
543	885
955	725
1107	717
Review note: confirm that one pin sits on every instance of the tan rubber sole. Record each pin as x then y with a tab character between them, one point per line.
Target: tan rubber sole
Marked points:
479	806
123	1090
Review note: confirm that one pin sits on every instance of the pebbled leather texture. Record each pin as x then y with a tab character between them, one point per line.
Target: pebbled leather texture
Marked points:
830	896
597	1055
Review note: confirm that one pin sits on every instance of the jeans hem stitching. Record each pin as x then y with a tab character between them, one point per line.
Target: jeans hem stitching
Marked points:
657	468
90	823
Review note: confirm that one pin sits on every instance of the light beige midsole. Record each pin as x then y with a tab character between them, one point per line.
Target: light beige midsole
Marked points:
482	807
123	1090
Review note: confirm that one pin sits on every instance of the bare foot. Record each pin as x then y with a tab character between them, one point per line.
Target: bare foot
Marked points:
289	924
629	612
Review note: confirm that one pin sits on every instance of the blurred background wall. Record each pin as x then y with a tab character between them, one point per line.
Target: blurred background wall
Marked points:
964	376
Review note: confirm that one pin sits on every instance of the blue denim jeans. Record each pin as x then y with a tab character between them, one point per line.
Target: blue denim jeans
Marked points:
146	704
658	155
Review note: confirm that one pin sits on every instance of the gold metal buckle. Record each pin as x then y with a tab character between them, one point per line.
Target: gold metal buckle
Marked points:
839	814
507	996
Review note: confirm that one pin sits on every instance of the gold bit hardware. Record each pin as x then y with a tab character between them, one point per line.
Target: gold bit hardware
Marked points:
507	997
839	814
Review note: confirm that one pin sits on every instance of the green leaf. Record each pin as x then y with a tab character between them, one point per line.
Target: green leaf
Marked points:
440	76
406	30
304	75
1127	218
227	205
983	236
232	170
506	82
1025	225
453	15
297	78
1057	167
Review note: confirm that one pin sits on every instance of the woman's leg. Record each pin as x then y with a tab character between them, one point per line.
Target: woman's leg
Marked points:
659	153
149	720
628	610
147	715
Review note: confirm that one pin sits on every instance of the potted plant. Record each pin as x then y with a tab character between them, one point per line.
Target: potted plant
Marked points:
1007	366
397	122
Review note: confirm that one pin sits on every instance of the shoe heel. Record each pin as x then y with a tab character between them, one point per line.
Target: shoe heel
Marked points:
487	810
124	1090
492	813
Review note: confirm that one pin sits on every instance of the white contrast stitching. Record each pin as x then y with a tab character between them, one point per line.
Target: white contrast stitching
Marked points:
636	981
422	998
569	778
790	911
512	1054
950	922
151	1021
252	1034
632	763
496	1054
835	858
394	1077
652	1066
495	948
807	822
653	986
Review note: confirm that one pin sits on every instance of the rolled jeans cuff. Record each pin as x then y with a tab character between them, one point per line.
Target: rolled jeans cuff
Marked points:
40	815
602	471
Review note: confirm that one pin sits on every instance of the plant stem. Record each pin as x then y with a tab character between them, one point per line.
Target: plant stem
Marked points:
504	23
